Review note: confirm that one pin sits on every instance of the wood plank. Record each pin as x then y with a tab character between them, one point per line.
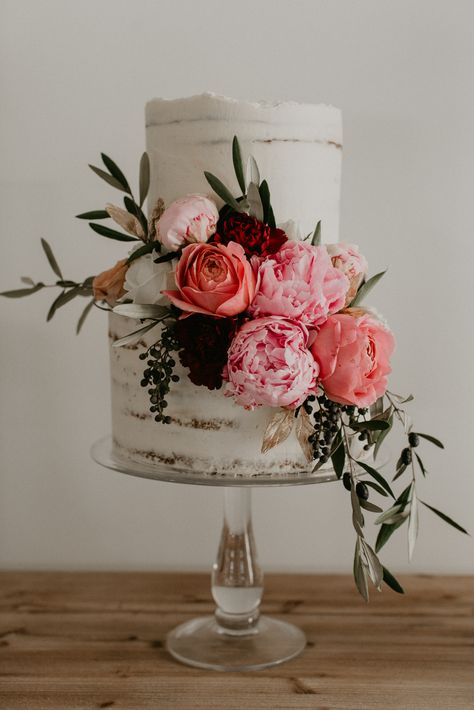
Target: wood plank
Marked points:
91	640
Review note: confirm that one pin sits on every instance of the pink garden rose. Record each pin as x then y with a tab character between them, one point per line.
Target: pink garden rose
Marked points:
298	282
213	279
269	364
353	352
346	258
189	219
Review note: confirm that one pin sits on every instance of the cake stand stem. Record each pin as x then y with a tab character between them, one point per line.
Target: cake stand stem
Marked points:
236	638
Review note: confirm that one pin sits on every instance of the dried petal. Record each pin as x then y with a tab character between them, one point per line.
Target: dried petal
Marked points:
125	220
278	429
304	429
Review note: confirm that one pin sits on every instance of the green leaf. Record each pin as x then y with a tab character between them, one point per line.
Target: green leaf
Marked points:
360	573
255	202
108	178
271	218
27	280
141	251
385	533
373	564
83	316
94	214
166	257
421	465
378	477
136	335
111	233
136	310
115	171
20	292
371	507
376	487
400	470
393	583
405	494
444	517
144	180
137	212
412	525
253	173
365	289
265	198
316	238
63	298
338	456
371	425
222	191
382	436
388	513
432	439
238	166
51	259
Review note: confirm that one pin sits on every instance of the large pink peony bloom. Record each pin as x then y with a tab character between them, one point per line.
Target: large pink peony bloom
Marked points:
353	351
213	279
348	259
269	364
189	219
298	282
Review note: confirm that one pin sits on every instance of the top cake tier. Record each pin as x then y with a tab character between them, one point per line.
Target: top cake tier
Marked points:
297	148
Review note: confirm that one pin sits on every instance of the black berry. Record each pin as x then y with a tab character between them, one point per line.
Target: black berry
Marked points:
406	456
346	481
362	490
413	439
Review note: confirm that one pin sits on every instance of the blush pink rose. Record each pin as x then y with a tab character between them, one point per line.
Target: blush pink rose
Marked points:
353	352
348	259
213	279
269	364
190	219
298	282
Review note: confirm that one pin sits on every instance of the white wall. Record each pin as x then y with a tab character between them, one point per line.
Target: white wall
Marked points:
74	80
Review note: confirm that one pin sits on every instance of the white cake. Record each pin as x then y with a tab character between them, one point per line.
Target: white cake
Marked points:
298	150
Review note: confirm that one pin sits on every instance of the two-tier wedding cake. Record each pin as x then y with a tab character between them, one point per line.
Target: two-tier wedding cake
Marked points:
298	149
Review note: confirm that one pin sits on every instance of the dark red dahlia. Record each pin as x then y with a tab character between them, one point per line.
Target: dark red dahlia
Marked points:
204	343
254	236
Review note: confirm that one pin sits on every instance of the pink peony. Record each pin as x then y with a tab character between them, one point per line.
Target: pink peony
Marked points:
190	219
353	351
213	279
346	258
298	282
269	364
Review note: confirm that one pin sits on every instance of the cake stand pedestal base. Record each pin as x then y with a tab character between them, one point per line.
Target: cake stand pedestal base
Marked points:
203	643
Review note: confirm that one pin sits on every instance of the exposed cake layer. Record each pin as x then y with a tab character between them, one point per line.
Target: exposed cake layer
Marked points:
208	433
297	148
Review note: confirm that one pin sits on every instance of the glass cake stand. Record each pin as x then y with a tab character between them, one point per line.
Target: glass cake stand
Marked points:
236	637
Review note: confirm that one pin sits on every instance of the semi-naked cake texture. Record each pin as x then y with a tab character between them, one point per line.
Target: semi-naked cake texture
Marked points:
298	150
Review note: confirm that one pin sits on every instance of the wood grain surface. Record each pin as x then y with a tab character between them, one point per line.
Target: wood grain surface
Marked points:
96	640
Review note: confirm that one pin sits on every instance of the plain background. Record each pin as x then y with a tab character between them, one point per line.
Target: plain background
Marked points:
74	80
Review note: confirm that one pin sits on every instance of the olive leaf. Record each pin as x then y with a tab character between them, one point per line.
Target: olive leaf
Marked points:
252	172
393	583
360	573
431	439
83	316
265	199
412	524
51	258
125	220
94	214
111	233
222	191
20	292
370	425
366	288
373	564
255	202
303	430
238	166
115	171
141	251
316	238
445	517
134	336
144	179
278	429
378	477
141	311
371	507
27	280
387	514
108	178
338	455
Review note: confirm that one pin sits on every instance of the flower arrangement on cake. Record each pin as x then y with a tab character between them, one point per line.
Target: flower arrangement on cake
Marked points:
271	318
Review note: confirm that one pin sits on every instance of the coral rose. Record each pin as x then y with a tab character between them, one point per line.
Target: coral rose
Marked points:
298	282
108	286
269	364
353	351
213	279
190	219
348	259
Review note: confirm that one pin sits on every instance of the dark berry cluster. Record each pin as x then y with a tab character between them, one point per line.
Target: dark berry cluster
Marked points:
326	425
158	374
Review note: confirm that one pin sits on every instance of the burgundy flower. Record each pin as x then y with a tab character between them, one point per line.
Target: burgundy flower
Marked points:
254	236
204	341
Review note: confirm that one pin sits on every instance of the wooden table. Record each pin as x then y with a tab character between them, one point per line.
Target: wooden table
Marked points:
95	640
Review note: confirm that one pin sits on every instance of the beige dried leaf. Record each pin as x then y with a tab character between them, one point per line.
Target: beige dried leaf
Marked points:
125	220
155	215
304	429
278	429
